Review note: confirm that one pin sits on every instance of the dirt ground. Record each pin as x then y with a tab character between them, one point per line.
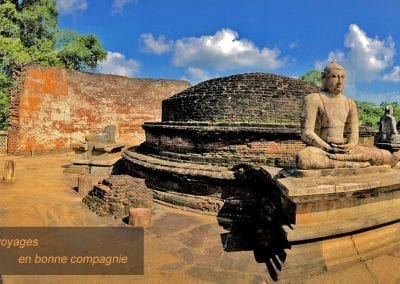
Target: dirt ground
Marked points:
180	247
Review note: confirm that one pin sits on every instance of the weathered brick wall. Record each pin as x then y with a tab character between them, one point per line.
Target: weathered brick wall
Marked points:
275	146
251	98
53	108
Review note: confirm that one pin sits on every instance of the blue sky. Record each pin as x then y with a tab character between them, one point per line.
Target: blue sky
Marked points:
198	40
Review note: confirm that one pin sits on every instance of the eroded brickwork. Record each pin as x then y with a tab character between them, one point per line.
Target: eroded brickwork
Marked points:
54	108
251	98
115	195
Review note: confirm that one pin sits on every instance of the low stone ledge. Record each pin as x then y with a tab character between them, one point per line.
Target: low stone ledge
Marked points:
226	128
308	232
319	187
100	163
208	205
188	169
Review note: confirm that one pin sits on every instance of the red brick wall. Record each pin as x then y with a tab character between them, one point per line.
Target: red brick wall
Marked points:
54	108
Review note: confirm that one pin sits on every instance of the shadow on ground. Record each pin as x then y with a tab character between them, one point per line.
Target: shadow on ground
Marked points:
259	226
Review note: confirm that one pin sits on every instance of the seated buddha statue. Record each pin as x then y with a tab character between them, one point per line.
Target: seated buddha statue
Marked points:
329	128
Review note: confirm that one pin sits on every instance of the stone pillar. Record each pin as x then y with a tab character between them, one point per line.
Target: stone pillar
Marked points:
83	184
9	170
139	217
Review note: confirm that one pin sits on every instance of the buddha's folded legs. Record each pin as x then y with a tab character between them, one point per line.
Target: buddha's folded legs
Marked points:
359	157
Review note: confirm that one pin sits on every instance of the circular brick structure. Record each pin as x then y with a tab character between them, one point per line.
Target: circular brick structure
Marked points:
211	129
246	118
252	98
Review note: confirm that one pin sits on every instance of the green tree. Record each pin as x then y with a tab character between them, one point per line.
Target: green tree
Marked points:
313	76
29	33
78	52
370	114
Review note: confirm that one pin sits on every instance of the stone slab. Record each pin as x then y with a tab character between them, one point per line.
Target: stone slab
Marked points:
294	187
105	163
139	217
342	171
340	226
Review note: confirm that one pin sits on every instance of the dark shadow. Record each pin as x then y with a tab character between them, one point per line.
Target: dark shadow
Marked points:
258	225
119	168
126	220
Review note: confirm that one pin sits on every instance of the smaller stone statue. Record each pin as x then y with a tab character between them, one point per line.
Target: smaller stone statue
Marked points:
388	136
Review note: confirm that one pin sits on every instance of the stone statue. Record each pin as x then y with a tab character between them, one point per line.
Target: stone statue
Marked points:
387	128
329	123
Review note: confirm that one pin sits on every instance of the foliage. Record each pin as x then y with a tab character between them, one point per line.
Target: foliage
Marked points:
4	104
313	76
29	33
79	52
370	113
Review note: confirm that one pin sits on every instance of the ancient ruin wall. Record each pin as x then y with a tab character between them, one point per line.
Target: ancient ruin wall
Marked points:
54	108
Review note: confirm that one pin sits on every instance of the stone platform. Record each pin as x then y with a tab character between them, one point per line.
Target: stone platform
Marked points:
189	186
338	216
96	158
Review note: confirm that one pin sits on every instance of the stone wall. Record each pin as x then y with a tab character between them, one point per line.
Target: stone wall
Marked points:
54	108
249	98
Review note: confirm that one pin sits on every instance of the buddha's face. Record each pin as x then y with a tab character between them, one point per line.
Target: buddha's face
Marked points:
334	81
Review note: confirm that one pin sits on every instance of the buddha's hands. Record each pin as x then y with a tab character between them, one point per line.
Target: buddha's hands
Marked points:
340	149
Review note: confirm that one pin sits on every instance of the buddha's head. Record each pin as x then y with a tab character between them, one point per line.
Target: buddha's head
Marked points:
333	78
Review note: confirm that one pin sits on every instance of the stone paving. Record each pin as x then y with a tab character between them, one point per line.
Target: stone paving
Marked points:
180	247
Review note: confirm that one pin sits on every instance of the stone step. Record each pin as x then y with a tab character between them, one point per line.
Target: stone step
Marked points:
76	169
189	169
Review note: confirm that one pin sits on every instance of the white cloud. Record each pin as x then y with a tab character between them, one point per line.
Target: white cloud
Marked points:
157	46
118	5
366	57
393	76
197	75
72	6
117	64
223	51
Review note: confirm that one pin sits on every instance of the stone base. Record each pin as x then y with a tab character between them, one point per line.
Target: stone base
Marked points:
139	217
392	147
95	167
336	172
337	219
306	259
